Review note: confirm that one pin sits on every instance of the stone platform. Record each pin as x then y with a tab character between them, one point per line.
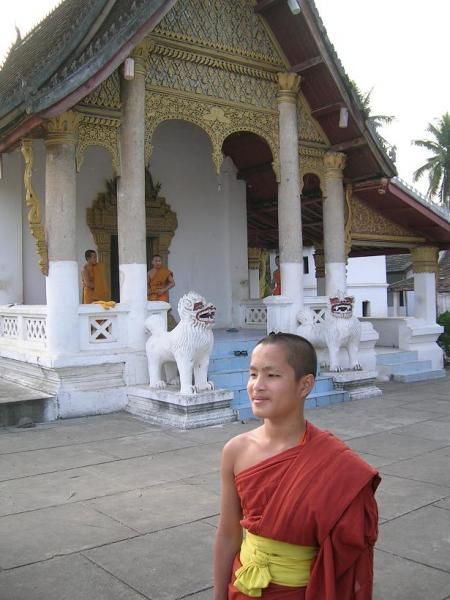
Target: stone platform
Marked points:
185	411
358	384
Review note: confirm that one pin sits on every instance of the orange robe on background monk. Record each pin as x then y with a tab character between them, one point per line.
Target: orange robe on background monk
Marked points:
159	279
321	494
277	283
97	276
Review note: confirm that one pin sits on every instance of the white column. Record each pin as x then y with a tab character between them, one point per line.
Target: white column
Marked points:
334	224
62	283
254	255
289	204
131	205
425	267
396	304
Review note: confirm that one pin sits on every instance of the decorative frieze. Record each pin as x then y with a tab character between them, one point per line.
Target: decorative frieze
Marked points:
98	131
218	120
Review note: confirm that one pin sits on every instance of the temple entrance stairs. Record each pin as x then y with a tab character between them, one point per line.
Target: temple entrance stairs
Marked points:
229	364
405	366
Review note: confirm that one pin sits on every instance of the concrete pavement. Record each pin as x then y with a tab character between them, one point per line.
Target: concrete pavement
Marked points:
113	508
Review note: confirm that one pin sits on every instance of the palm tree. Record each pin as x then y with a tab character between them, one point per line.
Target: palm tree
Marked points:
437	165
376	121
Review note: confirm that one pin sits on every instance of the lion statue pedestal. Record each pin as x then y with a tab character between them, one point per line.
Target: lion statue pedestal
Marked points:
338	331
179	393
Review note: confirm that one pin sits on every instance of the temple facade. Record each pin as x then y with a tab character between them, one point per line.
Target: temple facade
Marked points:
214	134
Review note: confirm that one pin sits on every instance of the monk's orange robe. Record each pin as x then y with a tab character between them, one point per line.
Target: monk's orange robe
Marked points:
317	494
159	279
277	283
100	292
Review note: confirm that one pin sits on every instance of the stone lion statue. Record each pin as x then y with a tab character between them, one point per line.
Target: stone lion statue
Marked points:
189	345
339	328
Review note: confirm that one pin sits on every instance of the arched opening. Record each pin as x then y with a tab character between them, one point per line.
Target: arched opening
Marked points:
253	159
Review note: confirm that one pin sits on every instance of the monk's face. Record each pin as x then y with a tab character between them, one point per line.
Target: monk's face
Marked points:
272	387
157	262
92	260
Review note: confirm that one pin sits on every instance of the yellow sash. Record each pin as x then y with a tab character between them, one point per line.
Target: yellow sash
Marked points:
264	561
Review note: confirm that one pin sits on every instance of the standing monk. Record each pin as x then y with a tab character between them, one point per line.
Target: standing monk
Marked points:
159	281
276	291
95	287
303	498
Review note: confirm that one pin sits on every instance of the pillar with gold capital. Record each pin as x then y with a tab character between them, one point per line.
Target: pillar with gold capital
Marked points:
62	283
289	207
131	224
425	268
334	224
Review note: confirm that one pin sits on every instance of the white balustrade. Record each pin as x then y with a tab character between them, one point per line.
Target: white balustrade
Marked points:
253	314
24	326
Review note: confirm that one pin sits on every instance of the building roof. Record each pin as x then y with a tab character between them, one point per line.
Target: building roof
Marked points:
66	56
442	282
397	263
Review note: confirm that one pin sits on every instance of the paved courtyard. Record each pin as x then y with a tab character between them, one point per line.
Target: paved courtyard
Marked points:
112	508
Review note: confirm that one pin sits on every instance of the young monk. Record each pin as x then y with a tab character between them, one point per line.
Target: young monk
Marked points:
95	287
159	281
304	499
276	290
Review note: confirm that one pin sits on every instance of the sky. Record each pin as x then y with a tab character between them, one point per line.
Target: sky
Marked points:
397	47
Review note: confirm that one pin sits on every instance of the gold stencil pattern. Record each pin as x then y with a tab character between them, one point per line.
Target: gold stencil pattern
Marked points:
34	215
237	85
230	27
98	131
217	121
367	220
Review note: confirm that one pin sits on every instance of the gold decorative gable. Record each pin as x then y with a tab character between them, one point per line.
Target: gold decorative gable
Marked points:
215	78
309	129
106	95
229	26
367	223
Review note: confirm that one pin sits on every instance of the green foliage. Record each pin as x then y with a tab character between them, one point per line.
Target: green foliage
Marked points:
437	166
444	338
376	122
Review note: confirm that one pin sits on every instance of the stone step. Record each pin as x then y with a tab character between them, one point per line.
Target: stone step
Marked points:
228	363
227	348
397	357
419	376
416	366
320	399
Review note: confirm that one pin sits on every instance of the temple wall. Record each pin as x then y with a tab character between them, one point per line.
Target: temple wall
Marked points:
209	250
11	287
373	290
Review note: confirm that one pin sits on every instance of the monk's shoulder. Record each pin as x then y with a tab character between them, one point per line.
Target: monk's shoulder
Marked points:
240	442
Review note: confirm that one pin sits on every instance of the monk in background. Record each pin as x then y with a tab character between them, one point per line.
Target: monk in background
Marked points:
159	281
276	291
303	498
95	287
